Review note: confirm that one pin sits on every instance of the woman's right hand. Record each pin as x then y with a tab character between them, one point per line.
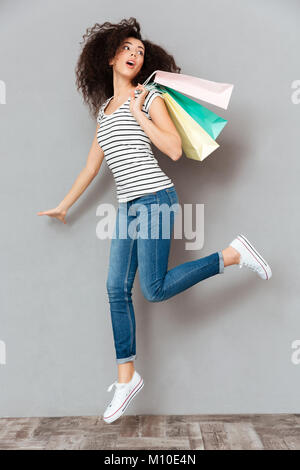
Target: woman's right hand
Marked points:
57	213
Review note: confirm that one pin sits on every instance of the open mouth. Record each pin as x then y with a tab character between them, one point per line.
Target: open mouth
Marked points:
130	64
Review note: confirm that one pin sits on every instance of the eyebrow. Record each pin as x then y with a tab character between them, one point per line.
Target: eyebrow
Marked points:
132	44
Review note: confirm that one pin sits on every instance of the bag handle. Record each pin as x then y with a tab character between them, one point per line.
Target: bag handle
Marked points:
147	80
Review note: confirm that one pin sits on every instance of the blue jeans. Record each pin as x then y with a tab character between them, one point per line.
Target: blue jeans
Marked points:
149	251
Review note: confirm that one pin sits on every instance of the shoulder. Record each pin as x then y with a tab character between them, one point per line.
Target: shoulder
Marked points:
152	94
100	112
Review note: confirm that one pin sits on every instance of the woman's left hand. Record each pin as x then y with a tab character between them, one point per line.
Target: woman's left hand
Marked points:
136	104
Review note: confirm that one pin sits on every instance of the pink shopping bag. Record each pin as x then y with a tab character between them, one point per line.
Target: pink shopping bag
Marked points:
212	92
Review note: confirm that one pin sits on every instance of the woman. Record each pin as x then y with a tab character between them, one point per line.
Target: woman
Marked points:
113	62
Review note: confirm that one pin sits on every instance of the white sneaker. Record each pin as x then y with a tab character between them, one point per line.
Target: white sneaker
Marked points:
124	393
251	258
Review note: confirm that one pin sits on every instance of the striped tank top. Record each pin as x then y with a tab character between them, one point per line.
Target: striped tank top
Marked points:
128	153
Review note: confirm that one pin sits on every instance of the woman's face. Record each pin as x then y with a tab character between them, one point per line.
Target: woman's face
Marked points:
131	50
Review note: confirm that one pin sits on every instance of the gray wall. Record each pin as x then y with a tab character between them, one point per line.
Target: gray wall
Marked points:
222	346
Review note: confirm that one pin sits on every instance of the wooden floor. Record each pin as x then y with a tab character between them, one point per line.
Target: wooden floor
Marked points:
199	432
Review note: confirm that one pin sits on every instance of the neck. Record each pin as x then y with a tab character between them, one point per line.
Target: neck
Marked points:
122	88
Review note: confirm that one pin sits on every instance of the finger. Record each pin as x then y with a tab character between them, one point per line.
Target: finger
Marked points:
144	91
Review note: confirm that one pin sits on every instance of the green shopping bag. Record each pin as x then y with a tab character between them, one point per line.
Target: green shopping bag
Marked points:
209	121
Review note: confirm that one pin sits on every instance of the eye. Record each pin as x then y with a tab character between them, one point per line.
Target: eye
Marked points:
129	48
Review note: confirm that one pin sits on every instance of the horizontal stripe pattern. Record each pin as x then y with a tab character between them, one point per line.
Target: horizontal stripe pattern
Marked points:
128	153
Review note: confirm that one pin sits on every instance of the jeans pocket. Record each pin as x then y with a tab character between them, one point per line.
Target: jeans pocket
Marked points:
172	195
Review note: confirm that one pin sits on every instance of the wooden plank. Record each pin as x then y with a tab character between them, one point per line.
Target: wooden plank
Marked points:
130	426
153	426
195	436
153	443
214	436
176	426
242	436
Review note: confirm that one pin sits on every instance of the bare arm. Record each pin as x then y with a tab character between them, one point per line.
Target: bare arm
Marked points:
87	174
161	130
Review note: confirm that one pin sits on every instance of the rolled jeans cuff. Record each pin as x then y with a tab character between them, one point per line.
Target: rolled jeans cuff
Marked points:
221	262
126	359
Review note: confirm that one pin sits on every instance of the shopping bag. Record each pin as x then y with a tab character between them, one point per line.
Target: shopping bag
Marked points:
197	144
215	93
209	121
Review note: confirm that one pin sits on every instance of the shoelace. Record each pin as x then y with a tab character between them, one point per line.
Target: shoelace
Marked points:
116	398
111	386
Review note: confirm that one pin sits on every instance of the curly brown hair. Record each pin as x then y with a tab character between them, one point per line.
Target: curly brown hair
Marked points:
94	75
